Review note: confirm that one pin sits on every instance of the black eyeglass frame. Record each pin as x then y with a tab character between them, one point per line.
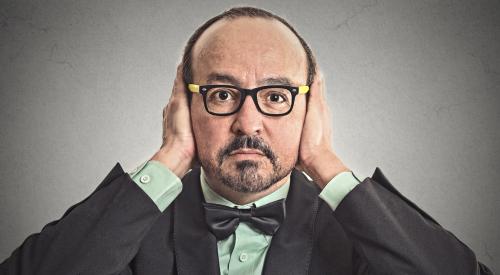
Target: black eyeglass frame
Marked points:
203	90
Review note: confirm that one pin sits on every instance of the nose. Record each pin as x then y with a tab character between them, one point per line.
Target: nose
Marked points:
248	119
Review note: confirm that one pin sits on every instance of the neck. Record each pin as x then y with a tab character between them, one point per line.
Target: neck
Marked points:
239	197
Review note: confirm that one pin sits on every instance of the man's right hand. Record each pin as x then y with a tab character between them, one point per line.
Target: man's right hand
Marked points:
178	149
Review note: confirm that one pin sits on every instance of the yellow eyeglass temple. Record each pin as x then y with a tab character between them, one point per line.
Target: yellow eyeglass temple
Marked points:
194	88
303	89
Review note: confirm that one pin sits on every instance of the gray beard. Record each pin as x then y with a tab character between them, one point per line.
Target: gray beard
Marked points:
246	178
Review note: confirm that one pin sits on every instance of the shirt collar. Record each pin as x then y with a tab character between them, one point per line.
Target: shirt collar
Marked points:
212	197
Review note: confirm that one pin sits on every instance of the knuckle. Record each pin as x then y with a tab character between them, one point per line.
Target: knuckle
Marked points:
173	102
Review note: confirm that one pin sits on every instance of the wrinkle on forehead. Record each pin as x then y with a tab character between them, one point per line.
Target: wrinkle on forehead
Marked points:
251	47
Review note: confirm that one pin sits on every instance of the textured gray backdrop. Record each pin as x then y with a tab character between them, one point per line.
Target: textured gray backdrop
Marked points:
413	86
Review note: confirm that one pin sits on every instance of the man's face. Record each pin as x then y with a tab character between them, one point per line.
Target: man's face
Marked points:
248	151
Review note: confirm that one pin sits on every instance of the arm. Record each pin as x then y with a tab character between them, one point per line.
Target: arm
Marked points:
390	234
101	234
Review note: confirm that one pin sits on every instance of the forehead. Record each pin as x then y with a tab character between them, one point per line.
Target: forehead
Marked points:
249	49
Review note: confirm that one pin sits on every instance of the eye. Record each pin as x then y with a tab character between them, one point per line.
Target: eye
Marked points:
276	97
222	95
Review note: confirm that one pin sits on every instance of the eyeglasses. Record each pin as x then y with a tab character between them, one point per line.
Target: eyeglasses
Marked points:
224	100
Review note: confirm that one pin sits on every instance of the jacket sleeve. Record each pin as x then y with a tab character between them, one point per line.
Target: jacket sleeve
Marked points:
391	235
99	235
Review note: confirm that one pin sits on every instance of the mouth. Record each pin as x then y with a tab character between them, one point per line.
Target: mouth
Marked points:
246	153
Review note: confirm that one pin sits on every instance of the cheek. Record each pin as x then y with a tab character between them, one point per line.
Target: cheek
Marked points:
288	136
286	133
210	132
295	120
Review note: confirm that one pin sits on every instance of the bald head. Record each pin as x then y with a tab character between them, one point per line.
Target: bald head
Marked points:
249	52
243	13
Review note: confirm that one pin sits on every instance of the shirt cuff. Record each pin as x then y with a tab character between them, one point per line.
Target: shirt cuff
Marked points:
158	182
338	188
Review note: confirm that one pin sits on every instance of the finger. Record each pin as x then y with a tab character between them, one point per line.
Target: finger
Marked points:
178	95
322	85
317	90
167	107
179	87
164	130
164	114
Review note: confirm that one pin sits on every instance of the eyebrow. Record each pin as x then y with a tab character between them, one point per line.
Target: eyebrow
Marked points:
276	81
226	78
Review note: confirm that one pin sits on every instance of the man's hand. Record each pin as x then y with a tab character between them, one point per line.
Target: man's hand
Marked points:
178	150
316	155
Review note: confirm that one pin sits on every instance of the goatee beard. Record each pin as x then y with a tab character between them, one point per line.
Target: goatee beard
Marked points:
245	178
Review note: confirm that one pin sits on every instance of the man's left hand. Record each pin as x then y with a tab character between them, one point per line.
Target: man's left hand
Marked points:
316	155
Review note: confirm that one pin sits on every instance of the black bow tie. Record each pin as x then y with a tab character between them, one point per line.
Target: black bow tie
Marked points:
223	220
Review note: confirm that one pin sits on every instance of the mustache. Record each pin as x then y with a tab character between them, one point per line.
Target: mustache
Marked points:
247	142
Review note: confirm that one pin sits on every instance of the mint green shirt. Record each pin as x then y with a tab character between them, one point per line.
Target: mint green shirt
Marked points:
245	250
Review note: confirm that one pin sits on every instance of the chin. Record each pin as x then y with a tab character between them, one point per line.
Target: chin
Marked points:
248	176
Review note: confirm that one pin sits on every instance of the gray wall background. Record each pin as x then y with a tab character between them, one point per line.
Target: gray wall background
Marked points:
413	86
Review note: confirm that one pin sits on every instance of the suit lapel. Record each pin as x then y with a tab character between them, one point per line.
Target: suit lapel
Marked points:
195	247
291	247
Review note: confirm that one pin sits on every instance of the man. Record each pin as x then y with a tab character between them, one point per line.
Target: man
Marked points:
247	209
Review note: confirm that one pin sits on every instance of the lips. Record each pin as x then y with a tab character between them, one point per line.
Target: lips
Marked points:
246	151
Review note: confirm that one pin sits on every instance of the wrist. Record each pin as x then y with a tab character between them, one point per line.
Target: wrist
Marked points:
174	160
322	169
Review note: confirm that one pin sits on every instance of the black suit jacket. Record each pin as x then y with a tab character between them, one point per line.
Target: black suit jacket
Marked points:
119	230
